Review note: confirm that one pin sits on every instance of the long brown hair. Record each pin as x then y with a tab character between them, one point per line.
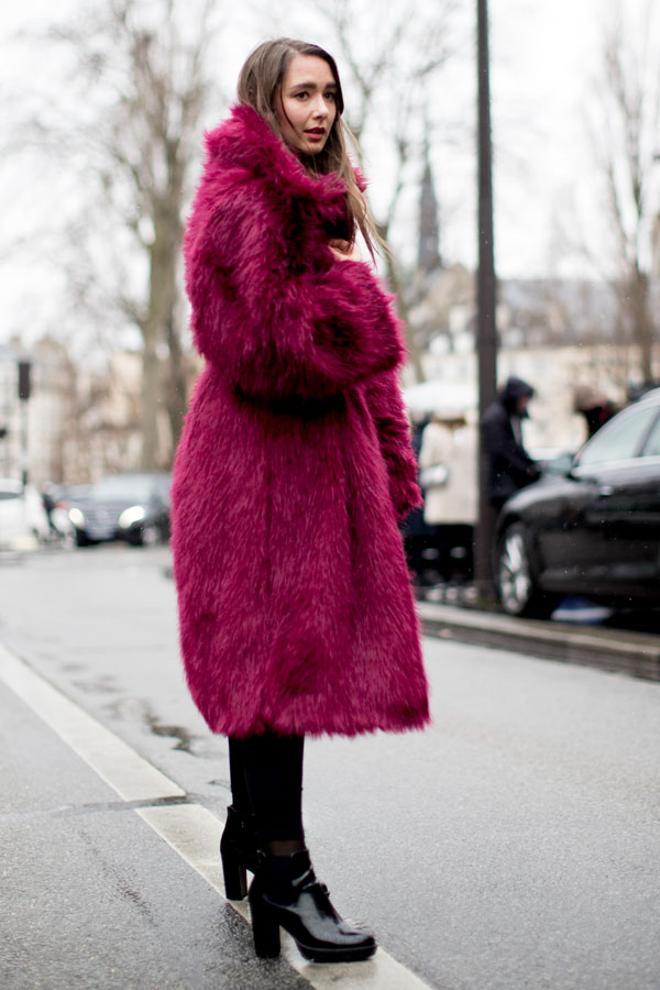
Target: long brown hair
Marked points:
260	85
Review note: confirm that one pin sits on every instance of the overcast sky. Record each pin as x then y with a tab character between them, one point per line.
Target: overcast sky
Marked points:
545	55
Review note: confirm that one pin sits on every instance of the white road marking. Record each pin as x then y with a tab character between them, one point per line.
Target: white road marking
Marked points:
191	830
131	776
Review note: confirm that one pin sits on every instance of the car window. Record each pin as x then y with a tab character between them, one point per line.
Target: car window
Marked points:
619	439
652	445
126	487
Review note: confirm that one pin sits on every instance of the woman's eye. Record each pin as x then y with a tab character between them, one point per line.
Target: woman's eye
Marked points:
302	95
330	96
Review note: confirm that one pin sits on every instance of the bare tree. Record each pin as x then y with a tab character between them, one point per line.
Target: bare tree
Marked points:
143	68
625	141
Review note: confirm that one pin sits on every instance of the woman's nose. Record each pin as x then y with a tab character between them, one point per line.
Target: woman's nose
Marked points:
319	109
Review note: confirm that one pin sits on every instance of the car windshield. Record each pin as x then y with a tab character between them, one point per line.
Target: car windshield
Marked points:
131	488
652	445
620	439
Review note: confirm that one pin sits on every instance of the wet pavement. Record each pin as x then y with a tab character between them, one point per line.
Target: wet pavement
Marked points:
515	844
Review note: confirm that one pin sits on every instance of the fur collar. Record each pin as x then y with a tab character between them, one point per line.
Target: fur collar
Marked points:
245	141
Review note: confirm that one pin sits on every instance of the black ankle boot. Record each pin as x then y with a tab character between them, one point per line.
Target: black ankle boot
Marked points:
239	850
286	892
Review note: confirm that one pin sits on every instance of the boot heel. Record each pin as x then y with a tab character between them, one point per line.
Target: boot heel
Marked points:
265	930
234	876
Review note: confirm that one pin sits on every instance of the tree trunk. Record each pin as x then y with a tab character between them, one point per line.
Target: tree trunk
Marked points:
177	385
642	323
163	393
150	390
162	289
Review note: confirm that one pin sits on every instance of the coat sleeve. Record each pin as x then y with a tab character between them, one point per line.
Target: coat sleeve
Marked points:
383	396
278	320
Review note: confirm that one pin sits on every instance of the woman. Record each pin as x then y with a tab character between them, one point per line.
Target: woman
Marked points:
450	502
293	471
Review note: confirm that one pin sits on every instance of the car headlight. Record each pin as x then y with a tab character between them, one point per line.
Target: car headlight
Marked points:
131	516
76	517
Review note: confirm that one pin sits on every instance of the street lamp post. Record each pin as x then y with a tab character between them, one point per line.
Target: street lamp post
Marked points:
24	388
486	326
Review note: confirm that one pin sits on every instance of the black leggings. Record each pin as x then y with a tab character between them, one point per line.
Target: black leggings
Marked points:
266	780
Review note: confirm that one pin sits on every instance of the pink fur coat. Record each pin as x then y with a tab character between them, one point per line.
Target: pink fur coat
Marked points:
295	466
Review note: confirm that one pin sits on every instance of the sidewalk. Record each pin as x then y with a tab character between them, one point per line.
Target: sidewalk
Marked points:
619	650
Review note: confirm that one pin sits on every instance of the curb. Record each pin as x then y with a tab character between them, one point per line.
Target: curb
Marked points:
631	653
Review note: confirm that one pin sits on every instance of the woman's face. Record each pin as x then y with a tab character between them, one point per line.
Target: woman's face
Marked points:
306	106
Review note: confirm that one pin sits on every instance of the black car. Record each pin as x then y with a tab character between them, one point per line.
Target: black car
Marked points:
594	532
131	507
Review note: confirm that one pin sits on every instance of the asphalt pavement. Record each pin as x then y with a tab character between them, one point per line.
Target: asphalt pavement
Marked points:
515	844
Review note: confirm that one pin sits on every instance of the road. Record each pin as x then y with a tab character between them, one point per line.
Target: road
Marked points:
515	844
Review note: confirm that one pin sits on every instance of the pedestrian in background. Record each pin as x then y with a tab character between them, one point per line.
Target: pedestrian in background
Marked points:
49	501
294	469
510	466
448	459
594	406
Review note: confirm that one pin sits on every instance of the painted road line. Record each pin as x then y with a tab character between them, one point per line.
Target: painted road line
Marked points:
191	830
127	773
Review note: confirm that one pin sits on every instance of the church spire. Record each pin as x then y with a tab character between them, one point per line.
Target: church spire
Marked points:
428	251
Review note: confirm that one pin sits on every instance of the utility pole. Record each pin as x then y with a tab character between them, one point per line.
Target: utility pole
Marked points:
486	342
24	388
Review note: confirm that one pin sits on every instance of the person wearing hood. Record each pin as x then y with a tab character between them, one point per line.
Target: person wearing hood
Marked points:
510	466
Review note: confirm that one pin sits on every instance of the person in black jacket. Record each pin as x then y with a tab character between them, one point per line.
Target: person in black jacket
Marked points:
510	466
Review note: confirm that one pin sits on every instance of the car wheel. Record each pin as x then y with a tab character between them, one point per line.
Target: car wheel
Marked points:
517	589
81	539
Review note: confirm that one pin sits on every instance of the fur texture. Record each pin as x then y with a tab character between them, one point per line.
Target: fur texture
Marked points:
295	465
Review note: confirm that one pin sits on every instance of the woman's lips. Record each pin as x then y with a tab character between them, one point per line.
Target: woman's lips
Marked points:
315	134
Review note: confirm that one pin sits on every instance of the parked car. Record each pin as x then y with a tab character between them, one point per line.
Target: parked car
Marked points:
23	519
132	507
593	532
